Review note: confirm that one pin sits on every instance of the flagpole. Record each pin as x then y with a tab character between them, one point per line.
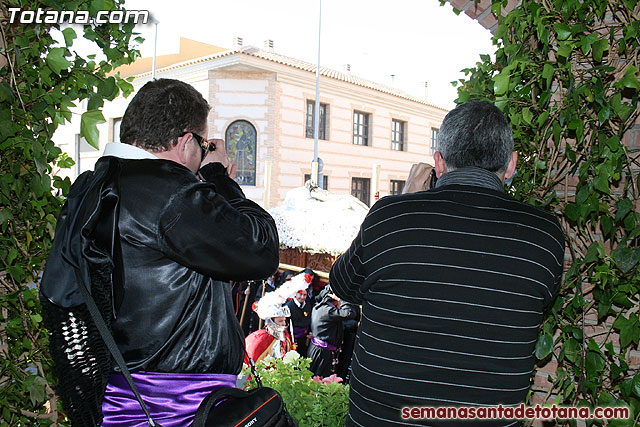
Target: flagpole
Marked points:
316	119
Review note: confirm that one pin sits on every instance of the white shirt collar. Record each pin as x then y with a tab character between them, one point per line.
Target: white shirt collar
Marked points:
126	151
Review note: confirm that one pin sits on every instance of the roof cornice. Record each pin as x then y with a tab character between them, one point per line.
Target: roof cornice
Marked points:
236	56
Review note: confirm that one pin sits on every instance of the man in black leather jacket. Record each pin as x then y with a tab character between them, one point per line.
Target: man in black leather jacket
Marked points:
156	229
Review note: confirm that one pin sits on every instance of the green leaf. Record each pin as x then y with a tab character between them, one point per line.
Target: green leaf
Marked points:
621	300
603	114
630	4
547	73
527	115
108	88
630	78
604	306
69	35
36	390
601	183
544	346
40	184
613	143
6	93
95	6
629	329
89	126
570	349
606	224
595	362
56	60
5	215
572	212
542	119
95	102
623	207
636	384
563	31
501	83
599	47
592	253
126	87
587	41
564	49
626	258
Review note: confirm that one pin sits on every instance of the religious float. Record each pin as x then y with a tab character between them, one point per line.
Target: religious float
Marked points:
315	227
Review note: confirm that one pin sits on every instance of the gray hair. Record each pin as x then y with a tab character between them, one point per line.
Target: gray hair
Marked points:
475	133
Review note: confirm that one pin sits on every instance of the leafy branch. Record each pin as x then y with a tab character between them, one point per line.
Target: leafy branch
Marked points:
41	81
566	75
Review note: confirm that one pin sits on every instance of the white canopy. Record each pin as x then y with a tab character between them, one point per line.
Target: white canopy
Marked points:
318	222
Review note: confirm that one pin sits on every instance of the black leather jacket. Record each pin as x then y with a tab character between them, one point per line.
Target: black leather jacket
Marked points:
326	320
181	239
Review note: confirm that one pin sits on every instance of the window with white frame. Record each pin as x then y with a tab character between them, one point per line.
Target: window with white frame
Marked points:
397	135
115	129
360	189
360	128
322	130
396	187
434	140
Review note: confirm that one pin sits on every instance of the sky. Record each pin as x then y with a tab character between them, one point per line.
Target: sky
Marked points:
416	41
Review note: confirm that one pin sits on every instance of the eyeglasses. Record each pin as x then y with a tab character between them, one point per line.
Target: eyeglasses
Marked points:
206	145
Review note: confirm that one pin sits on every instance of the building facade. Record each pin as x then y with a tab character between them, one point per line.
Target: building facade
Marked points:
263	105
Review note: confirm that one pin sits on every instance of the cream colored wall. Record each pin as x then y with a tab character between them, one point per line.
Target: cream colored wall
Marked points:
250	96
342	159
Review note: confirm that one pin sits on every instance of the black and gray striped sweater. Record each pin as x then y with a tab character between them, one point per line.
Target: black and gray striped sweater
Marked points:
453	283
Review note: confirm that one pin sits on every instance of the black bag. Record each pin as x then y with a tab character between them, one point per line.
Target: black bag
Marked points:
232	407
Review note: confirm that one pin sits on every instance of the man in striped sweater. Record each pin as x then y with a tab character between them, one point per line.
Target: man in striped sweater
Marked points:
452	281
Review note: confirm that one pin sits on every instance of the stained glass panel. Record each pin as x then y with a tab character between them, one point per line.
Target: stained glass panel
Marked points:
240	141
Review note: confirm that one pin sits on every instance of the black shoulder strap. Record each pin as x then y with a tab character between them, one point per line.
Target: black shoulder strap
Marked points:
111	344
252	364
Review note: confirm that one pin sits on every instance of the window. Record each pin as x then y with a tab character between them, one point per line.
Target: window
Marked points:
360	189
397	135
83	145
322	130
396	187
240	140
115	129
324	180
360	128
434	140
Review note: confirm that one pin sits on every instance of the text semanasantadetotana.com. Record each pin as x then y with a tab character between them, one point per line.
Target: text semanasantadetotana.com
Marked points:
514	412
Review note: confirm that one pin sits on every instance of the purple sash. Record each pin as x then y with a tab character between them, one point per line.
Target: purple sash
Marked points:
172	399
299	332
322	344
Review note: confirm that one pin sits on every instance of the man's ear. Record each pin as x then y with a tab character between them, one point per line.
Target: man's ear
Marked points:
439	164
181	148
511	167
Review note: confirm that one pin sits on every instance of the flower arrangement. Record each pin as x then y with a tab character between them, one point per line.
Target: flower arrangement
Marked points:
312	401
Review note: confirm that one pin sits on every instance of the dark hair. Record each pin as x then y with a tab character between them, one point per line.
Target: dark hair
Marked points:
284	276
161	111
476	133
